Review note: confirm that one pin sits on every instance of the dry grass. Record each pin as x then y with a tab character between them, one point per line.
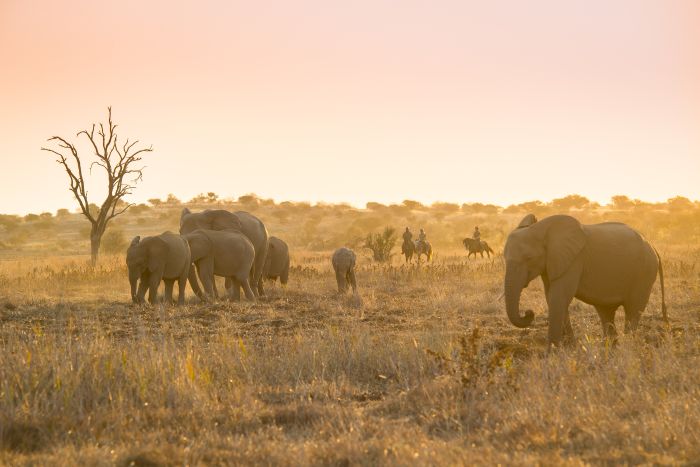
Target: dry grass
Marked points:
425	370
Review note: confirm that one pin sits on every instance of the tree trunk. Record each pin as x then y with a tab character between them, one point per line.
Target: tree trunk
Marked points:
95	240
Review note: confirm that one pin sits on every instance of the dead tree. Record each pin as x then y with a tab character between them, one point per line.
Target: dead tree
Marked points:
121	164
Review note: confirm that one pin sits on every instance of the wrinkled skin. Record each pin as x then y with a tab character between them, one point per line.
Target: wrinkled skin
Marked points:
277	261
227	254
606	265
343	261
241	221
152	259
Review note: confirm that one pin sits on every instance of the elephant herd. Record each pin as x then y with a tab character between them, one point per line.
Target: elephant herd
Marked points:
211	243
606	265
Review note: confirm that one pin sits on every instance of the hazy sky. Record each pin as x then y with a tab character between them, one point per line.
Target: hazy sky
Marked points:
367	100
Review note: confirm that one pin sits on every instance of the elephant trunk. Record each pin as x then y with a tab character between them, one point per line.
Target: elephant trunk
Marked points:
516	278
133	281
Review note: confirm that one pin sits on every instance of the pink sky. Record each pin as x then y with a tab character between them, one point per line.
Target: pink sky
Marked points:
502	101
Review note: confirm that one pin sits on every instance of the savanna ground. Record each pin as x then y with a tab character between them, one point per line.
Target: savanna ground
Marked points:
425	370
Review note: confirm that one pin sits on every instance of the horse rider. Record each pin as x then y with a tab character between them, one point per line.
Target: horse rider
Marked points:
422	237
476	235
407	236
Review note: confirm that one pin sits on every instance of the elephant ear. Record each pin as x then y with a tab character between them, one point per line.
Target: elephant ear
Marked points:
527	221
564	241
157	253
185	212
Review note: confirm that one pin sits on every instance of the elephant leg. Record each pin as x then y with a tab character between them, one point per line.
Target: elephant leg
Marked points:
561	293
351	280
181	286
247	289
214	288
205	269
607	320
340	279
260	288
154	282
632	315
168	294
234	292
568	331
141	292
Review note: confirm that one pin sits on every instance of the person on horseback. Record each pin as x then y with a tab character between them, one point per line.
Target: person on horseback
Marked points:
476	235
407	235
422	236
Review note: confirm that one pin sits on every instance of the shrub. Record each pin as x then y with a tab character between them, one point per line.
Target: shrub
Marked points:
381	244
114	241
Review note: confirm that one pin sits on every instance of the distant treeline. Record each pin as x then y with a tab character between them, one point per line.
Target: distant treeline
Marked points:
322	226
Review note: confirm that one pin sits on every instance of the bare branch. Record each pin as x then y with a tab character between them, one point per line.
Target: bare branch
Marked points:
118	161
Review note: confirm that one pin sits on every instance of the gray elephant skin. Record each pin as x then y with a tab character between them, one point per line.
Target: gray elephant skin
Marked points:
277	261
606	265
152	259
343	261
248	224
227	254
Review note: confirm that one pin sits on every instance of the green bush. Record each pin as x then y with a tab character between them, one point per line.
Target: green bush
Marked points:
381	244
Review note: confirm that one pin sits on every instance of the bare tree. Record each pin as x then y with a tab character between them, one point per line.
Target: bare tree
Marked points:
121	164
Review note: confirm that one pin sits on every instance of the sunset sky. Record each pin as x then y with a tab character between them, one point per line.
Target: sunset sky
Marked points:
367	100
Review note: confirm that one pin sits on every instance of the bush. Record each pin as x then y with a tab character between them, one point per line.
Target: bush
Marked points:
114	241
381	244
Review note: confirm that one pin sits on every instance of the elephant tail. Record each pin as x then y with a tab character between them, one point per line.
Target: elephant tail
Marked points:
663	288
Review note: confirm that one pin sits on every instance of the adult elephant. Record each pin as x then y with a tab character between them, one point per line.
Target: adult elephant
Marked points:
606	265
224	253
248	224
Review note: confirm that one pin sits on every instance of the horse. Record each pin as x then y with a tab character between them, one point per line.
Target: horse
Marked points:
423	248
407	249
474	246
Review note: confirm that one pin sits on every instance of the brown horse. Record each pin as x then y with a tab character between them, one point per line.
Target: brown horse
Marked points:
407	249
424	248
474	246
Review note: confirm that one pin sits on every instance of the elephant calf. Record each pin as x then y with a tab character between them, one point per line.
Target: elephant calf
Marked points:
344	266
277	261
152	259
222	253
606	265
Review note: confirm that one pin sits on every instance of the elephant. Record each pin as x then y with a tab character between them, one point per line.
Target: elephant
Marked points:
606	265
343	261
152	259
222	253
219	219
277	261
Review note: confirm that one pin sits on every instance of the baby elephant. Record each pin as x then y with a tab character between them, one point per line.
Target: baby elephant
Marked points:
152	259
344	265
222	253
277	261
